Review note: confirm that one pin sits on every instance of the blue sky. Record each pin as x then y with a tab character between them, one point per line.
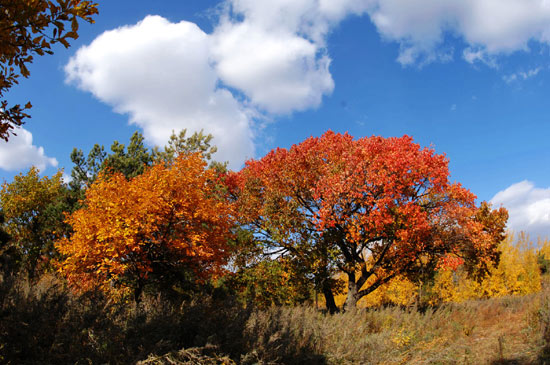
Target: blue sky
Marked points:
469	77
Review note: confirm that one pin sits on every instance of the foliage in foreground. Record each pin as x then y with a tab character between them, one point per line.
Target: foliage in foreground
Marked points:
44	323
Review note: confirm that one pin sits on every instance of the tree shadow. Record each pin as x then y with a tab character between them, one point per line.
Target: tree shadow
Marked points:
515	361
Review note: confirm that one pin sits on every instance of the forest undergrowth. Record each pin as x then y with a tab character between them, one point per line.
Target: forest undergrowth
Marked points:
43	323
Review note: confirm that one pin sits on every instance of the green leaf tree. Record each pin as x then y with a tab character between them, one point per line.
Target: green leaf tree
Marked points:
178	143
132	160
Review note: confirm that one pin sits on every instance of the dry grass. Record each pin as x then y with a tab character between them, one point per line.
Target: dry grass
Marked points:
43	324
494	331
192	356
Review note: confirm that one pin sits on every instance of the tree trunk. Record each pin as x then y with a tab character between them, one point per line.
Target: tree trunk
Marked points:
329	298
138	290
326	282
351	299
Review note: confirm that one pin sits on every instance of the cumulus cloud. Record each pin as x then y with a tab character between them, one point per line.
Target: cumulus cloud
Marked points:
312	19
19	153
168	76
275	51
528	206
262	59
267	58
279	72
159	73
488	27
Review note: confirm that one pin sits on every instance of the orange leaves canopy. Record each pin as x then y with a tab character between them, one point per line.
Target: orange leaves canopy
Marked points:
169	220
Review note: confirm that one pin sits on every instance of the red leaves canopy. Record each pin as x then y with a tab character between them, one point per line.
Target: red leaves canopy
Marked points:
380	205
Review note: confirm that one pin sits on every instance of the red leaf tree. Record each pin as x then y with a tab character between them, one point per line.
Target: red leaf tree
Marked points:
372	208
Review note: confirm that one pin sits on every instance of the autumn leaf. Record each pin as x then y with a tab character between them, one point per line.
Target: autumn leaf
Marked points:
373	208
29	28
157	228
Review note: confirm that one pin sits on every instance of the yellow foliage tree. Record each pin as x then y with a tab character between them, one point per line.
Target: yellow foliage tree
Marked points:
518	270
517	273
29	204
400	291
543	254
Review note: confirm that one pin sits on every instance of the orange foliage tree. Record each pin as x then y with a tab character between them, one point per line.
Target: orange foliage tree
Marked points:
373	208
161	227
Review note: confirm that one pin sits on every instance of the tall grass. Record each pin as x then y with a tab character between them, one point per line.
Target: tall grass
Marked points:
42	323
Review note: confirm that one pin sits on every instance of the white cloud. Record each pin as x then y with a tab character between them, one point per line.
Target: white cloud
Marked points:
521	75
262	59
528	206
472	56
160	74
19	153
275	51
312	19
66	178
268	58
278	71
488	27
